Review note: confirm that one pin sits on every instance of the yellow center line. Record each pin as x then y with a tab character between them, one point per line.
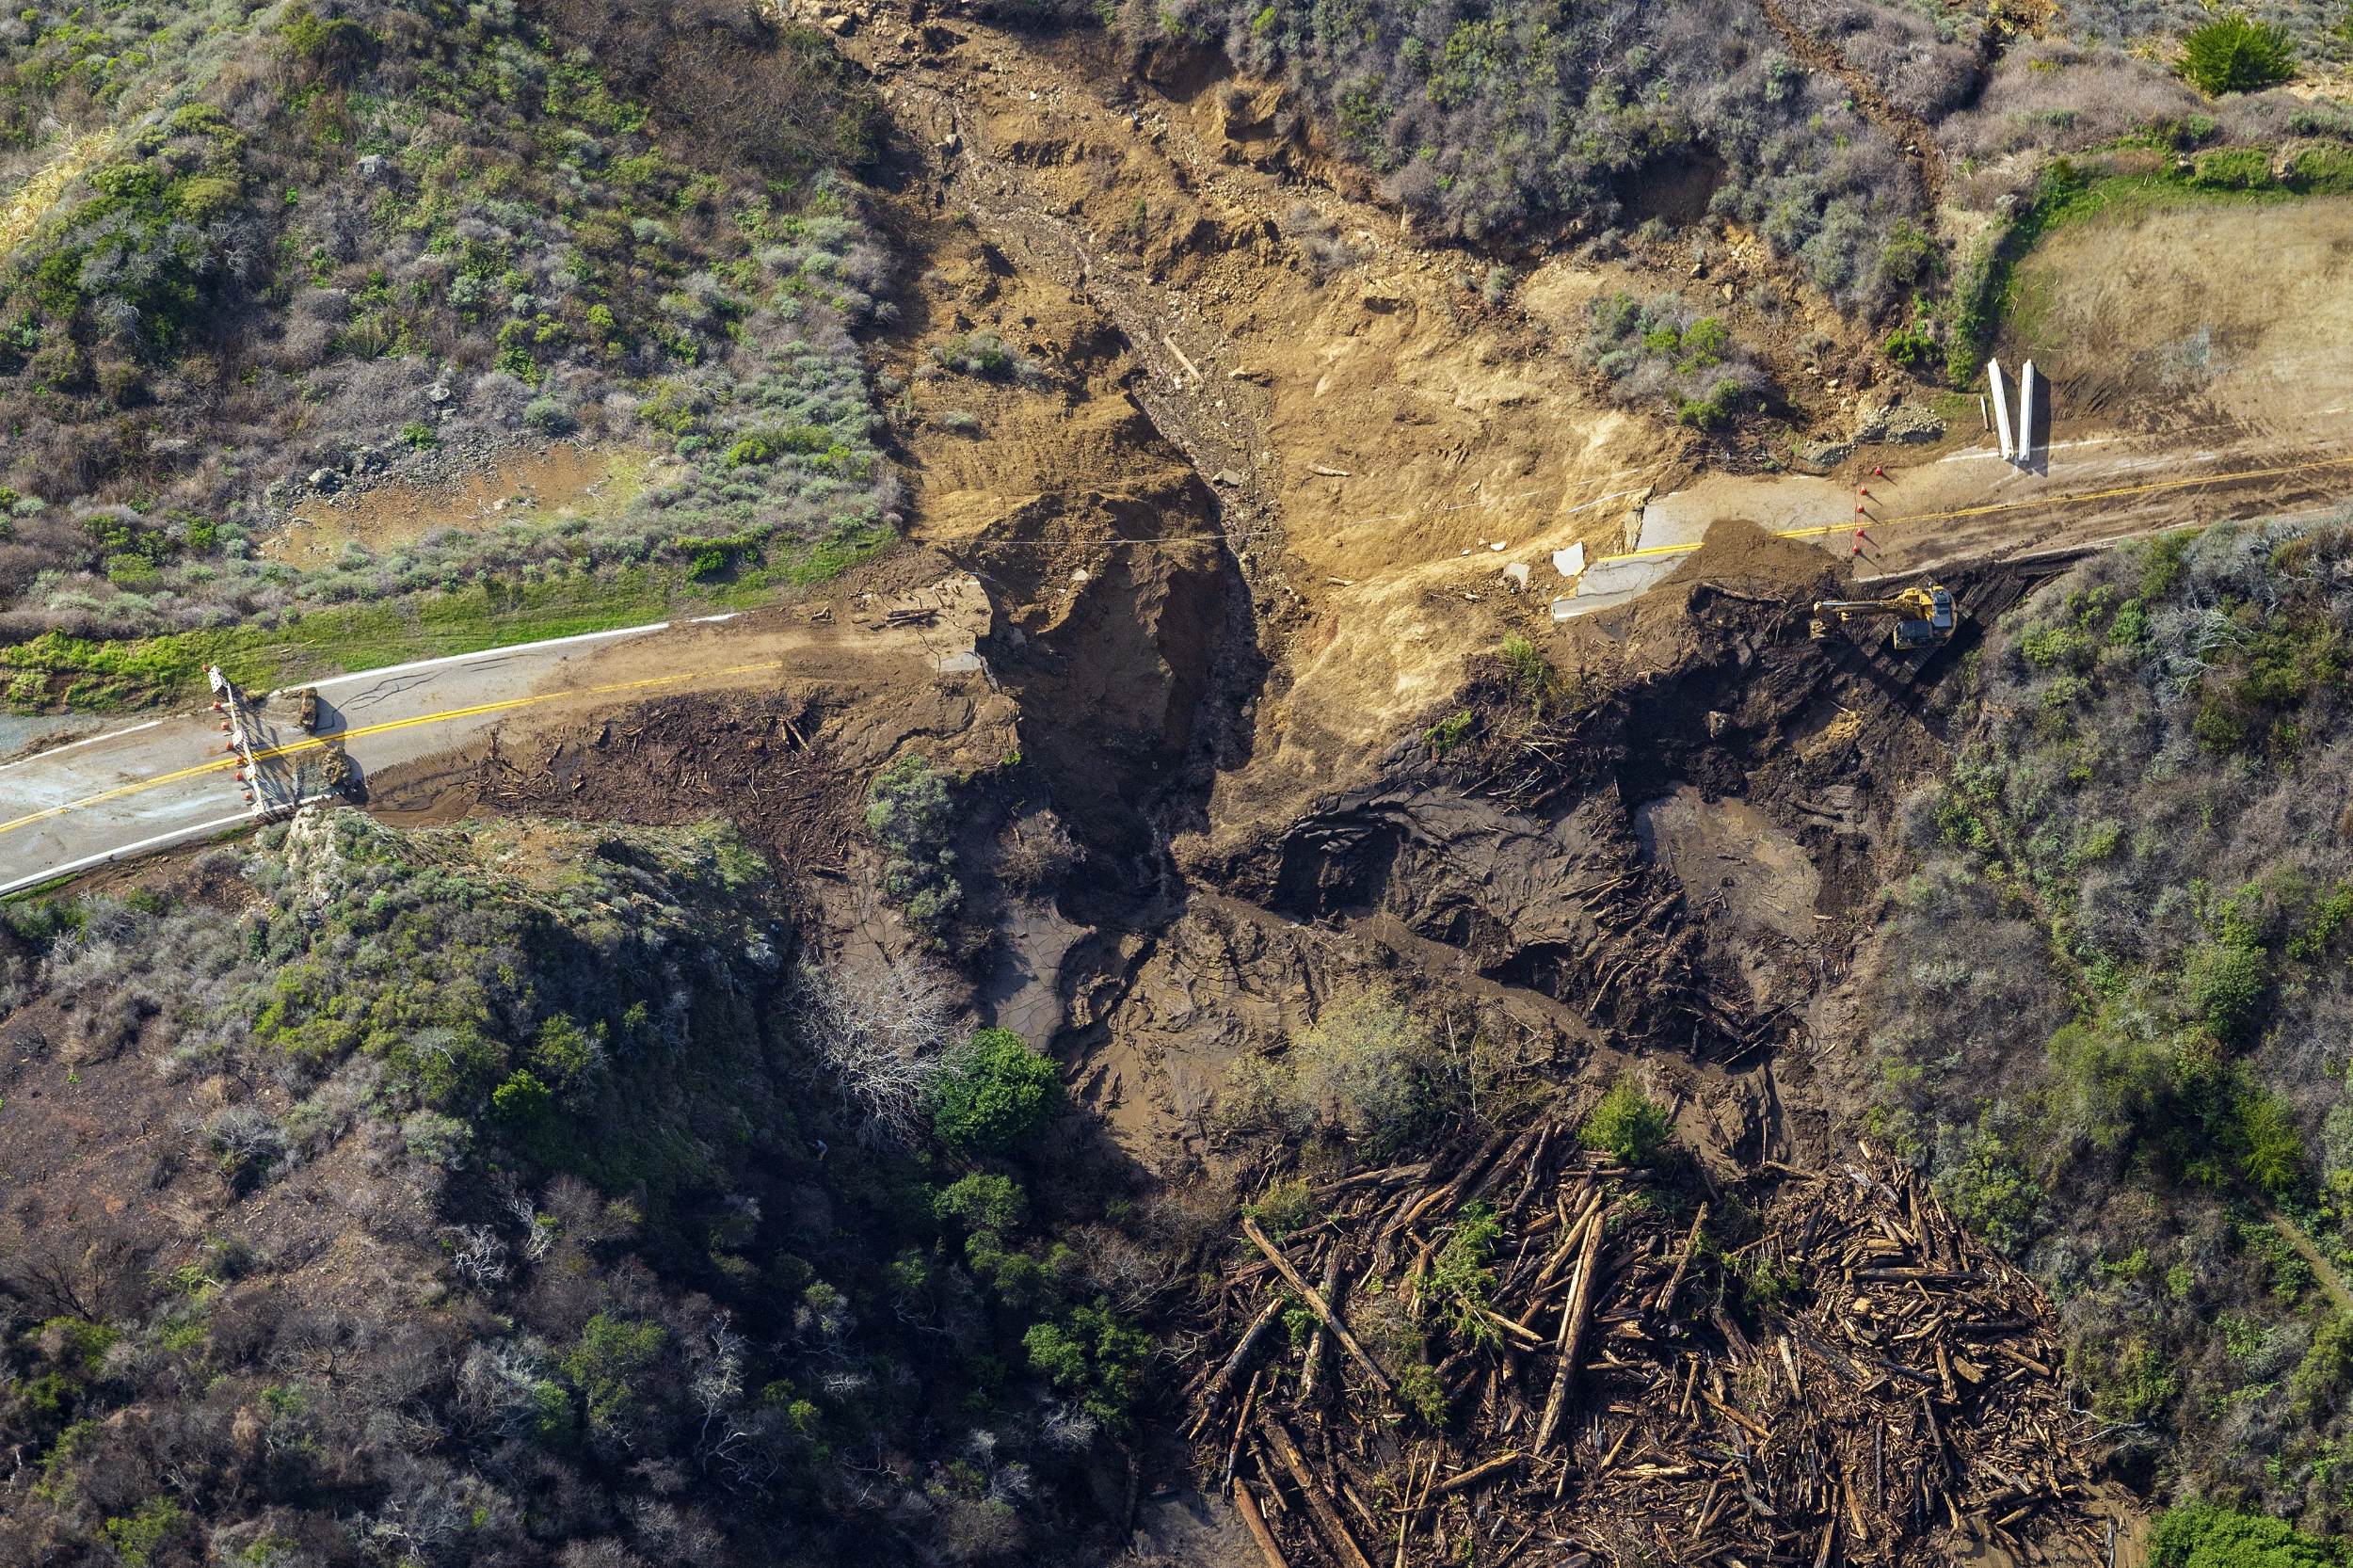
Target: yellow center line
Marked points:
1992	508
221	764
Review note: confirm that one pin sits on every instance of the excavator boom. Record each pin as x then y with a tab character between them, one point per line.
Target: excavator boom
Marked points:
1924	615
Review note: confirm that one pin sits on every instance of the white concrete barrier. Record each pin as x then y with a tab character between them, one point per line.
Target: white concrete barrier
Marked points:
2001	408
2029	385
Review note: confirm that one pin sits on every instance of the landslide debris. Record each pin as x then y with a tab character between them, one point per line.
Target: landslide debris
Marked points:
1614	1364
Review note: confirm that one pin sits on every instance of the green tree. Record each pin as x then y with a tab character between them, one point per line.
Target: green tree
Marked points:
1094	1354
984	1201
2199	1535
993	1092
2237	54
609	1366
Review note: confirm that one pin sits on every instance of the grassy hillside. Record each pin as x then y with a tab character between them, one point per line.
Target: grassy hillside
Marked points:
2113	1009
1846	136
518	1195
266	253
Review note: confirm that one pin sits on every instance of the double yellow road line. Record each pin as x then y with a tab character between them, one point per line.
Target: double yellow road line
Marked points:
1994	509
315	743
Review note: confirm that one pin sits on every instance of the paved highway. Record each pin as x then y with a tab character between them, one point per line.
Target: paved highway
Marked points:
168	781
1970	505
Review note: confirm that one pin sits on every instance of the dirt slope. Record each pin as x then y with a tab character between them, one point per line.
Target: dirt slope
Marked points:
1370	431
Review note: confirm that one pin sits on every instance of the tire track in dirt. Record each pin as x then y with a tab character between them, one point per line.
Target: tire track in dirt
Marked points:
1908	131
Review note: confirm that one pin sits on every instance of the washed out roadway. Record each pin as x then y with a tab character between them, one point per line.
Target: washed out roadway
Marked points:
168	781
1970	505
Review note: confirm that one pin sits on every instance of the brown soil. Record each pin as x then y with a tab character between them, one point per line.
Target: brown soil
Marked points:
563	481
2148	322
1370	433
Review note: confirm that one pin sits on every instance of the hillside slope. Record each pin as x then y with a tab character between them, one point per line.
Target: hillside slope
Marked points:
276	255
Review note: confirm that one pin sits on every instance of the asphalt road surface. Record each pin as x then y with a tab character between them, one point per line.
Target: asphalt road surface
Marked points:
168	781
1970	505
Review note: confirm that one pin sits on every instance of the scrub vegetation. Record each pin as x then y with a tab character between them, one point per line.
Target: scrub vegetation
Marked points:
321	248
2116	1019
1832	130
549	1225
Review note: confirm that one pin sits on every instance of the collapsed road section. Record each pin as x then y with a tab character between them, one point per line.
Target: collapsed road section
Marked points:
170	781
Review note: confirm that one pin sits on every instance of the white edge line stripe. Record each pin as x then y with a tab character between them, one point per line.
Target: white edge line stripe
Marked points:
85	741
161	841
416	665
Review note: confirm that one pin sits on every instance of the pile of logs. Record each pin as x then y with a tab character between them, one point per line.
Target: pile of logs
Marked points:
1628	1380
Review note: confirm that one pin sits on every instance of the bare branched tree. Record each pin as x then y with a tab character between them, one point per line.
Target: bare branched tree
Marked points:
477	1255
880	1032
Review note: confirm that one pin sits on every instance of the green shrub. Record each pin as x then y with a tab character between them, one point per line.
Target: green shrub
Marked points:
1914	345
1713	410
1533	678
336	48
137	1538
1283	1207
2106	1084
2322	1379
1448	732
2237	54
1363	1071
982	353
1462	1275
911	810
2199	1535
2267	1143
2130	1382
993	1092
1989	1191
1423	1392
2232	168
2062	646
2224	984
2321	171
1627	1125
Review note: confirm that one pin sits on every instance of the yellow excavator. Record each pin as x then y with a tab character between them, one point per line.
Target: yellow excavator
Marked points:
1924	615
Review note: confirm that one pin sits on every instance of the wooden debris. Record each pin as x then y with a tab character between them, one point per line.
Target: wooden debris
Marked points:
1849	1379
1317	1304
1247	1506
